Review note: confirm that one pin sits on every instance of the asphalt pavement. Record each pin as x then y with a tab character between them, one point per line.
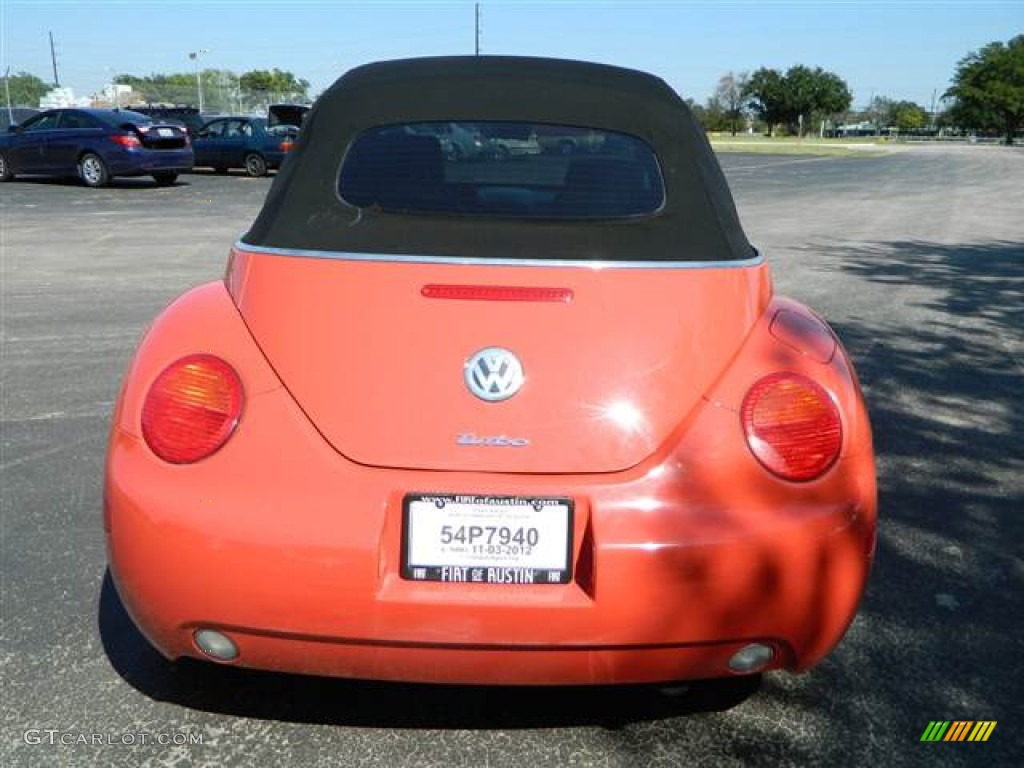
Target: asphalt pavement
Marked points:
917	259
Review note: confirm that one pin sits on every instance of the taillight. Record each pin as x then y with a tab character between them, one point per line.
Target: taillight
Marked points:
792	426
127	141
192	409
287	145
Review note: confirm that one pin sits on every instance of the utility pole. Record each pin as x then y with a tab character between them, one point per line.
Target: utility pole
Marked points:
7	87
194	55
477	48
53	58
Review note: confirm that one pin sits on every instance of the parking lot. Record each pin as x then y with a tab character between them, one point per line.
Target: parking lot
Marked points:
917	259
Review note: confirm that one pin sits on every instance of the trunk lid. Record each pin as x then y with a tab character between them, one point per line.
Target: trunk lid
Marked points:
286	114
608	376
159	135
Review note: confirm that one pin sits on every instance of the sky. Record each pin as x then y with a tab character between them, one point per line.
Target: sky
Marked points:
900	50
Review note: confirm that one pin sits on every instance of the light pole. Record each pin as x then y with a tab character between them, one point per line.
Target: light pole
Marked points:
477	14
194	55
115	97
7	88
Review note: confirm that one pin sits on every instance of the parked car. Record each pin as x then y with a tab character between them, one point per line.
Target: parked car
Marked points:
188	117
243	142
459	141
567	140
286	115
507	139
96	145
532	422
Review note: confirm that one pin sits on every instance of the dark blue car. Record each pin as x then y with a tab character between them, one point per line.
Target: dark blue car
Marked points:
95	145
243	142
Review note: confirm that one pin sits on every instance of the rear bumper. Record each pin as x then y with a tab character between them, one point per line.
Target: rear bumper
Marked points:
274	159
480	665
142	162
295	554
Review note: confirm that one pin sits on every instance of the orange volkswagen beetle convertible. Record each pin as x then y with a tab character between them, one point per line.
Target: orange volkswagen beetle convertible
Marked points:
495	390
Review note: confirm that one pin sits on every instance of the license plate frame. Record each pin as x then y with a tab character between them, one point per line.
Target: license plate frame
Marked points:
488	538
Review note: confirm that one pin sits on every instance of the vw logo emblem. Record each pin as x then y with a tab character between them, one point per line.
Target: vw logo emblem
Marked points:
494	374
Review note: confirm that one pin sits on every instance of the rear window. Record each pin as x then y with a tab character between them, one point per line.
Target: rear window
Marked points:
119	117
513	169
79	120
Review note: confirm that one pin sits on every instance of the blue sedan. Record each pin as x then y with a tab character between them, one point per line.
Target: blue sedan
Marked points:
96	145
243	142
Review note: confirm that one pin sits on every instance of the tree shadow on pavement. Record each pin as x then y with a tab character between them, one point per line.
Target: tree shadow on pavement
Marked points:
938	635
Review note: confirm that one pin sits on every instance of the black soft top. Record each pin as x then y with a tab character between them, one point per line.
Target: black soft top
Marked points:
304	211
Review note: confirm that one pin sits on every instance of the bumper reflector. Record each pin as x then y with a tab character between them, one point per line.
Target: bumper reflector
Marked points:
216	645
751	658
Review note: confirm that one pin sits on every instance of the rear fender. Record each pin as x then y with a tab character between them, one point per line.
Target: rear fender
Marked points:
203	320
791	337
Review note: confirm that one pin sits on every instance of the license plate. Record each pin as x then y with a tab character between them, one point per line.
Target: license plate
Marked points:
487	539
167	133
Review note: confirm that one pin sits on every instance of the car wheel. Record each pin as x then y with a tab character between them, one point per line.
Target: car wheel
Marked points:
255	165
5	168
165	178
92	171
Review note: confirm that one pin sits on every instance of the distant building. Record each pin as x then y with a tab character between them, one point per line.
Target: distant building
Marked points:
118	93
59	98
865	128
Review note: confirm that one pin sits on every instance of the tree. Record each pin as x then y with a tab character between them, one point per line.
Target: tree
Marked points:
813	93
274	83
801	86
908	116
832	95
26	90
988	89
175	88
766	96
222	89
796	97
879	113
730	98
710	116
904	116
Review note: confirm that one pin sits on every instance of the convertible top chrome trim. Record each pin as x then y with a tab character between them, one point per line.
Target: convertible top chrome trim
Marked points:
404	258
